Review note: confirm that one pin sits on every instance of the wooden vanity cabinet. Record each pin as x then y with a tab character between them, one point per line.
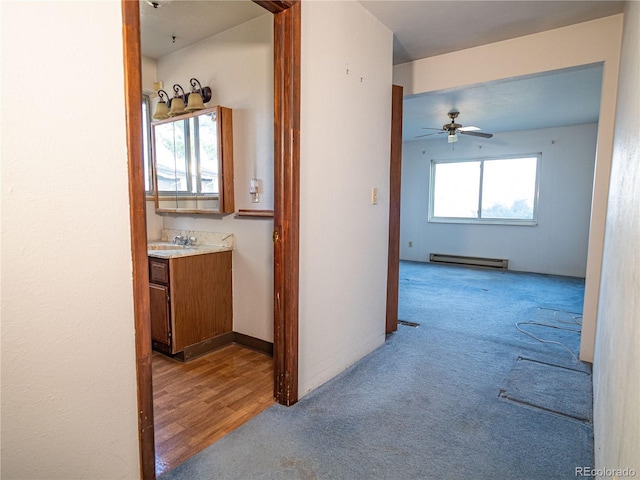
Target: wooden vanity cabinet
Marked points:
191	300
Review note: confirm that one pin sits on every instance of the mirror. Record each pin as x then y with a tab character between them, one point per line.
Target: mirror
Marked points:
193	162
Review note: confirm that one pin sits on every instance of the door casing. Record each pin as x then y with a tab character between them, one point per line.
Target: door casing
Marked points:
395	179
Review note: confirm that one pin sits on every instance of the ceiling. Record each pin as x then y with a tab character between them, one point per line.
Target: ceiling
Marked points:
176	24
555	99
426	28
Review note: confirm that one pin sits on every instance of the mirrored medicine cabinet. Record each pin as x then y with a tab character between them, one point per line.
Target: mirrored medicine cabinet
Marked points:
193	162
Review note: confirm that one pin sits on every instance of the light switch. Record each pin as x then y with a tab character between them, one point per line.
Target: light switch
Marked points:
254	190
374	196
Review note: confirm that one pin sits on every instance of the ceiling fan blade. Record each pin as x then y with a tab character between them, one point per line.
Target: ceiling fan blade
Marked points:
429	134
477	134
427	128
470	128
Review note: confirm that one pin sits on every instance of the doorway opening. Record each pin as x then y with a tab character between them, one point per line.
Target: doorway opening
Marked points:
286	192
564	139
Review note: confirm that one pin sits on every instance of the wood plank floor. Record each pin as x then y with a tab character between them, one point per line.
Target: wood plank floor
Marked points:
197	403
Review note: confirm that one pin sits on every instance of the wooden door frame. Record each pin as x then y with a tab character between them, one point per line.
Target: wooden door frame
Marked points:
395	179
138	222
287	15
286	72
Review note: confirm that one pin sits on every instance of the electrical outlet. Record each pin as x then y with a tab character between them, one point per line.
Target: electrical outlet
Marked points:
374	196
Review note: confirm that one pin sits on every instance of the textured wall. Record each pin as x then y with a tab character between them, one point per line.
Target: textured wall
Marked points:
68	360
345	144
617	354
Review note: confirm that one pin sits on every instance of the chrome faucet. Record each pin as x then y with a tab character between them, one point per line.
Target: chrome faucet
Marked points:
183	240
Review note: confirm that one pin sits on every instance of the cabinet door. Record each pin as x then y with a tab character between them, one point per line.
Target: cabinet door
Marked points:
160	315
202	298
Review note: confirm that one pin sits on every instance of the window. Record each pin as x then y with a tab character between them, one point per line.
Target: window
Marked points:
497	190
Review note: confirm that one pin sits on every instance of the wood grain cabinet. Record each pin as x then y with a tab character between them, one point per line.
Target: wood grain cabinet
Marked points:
191	302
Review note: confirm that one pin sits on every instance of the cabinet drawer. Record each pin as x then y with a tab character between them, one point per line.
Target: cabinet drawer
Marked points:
159	270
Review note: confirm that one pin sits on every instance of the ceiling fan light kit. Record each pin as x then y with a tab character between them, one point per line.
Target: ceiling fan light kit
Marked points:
454	128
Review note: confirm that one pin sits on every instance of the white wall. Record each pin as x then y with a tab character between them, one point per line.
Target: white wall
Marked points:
617	356
148	72
238	66
69	406
345	143
581	44
557	245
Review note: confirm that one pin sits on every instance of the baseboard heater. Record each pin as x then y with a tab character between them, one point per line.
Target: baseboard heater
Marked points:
498	263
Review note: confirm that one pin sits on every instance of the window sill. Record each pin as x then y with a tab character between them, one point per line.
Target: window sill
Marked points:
496	221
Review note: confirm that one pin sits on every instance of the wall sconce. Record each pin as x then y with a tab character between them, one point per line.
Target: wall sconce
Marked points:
171	107
177	102
162	108
198	96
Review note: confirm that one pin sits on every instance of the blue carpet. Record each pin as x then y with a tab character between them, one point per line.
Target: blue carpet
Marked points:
429	403
535	384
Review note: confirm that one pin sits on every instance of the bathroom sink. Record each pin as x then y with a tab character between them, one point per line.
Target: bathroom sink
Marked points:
167	246
168	249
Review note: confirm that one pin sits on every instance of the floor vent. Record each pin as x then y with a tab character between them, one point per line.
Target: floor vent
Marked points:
498	263
408	324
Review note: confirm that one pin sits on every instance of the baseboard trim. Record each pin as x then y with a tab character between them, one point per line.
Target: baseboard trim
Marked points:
197	350
253	343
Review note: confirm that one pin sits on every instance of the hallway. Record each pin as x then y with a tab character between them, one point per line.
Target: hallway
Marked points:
466	394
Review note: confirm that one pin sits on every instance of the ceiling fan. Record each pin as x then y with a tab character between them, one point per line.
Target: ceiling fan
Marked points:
454	128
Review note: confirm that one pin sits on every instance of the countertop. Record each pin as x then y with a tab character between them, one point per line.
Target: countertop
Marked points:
181	251
205	242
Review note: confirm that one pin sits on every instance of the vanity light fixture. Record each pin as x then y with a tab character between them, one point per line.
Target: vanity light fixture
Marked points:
162	108
171	107
177	102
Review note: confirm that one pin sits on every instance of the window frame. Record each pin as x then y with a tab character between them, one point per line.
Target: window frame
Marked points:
193	175
479	220
147	153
